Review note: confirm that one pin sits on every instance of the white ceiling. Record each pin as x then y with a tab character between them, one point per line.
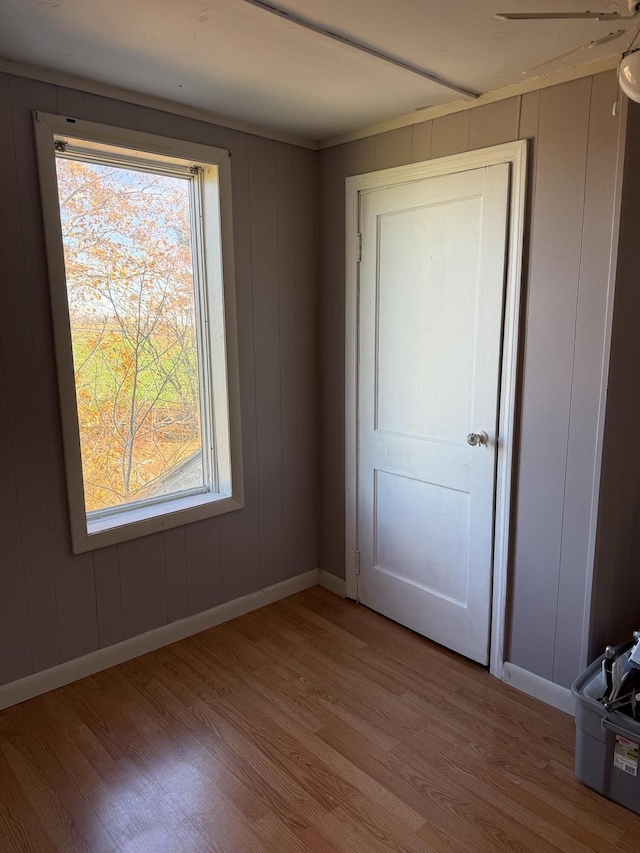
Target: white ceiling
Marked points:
232	58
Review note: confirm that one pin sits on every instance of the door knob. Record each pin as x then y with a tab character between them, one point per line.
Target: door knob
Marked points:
475	438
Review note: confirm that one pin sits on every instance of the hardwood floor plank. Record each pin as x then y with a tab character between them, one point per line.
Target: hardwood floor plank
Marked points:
74	780
211	807
147	793
484	813
437	822
314	725
321	771
267	778
302	692
20	826
343	638
487	734
345	684
362	828
61	825
279	838
198	744
447	806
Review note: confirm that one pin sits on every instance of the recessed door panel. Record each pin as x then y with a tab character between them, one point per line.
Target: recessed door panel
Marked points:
427	284
421	533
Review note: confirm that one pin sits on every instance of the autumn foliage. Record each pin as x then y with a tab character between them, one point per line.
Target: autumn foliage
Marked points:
128	262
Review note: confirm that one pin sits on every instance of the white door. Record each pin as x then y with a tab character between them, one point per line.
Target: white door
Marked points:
432	278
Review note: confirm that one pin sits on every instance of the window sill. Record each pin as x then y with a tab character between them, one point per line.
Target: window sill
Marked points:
142	521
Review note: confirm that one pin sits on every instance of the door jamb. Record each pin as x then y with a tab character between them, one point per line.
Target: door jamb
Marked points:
515	154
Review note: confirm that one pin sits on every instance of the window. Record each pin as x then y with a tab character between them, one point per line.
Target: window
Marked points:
139	248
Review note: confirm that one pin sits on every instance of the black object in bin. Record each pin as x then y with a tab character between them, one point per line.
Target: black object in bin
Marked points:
607	742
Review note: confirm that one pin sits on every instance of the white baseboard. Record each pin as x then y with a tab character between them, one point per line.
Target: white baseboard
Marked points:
332	583
538	687
65	673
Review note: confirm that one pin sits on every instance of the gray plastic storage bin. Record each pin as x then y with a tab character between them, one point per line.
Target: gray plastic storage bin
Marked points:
607	742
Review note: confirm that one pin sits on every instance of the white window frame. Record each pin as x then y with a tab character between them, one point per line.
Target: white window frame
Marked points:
218	347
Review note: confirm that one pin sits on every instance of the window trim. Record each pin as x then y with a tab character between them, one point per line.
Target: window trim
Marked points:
174	511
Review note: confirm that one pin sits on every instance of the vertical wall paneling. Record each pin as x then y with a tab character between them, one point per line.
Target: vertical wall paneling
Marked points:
70	102
331	474
615	605
556	243
108	595
143	584
110	111
175	566
168	124
289	232
393	148
589	352
240	531
63	605
237	144
266	320
450	134
14	613
30	377
421	141
307	278
528	129
335	165
494	123
155	121
203	564
615	599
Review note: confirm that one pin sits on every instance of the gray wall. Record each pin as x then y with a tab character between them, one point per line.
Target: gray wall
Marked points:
616	583
55	606
571	195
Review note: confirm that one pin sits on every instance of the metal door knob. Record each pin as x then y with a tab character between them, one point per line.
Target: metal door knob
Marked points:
475	438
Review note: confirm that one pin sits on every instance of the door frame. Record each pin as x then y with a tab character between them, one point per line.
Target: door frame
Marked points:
515	154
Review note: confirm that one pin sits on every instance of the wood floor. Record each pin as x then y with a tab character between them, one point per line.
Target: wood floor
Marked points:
310	725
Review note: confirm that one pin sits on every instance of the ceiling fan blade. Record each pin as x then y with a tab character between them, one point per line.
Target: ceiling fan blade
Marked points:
588	46
557	16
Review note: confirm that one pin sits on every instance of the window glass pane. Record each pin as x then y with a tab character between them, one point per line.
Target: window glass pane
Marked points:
130	286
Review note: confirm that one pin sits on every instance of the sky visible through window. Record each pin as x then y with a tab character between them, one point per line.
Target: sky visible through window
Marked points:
130	287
